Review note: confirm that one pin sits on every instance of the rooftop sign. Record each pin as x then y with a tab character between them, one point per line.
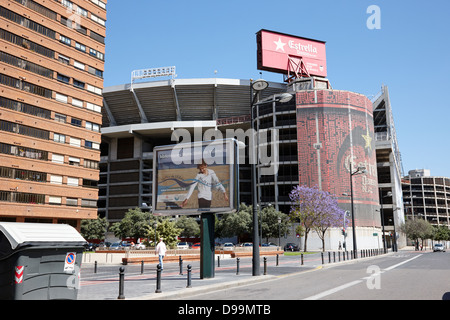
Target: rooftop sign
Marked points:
283	53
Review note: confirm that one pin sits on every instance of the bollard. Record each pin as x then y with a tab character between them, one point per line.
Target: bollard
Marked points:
121	283
343	255
218	261
265	266
339	256
321	255
278	257
237	265
95	266
180	262
329	257
351	254
142	266
347	255
158	279
334	256
189	280
301	257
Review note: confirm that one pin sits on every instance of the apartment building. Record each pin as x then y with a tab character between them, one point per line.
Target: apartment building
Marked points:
52	57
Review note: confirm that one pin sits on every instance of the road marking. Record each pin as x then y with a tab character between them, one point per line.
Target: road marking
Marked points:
334	290
350	284
399	264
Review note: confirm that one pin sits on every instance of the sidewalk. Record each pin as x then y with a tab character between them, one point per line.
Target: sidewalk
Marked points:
139	286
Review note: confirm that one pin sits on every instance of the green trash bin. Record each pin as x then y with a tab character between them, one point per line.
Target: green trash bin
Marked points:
39	261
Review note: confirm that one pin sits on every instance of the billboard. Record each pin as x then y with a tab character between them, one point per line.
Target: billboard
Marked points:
197	177
276	50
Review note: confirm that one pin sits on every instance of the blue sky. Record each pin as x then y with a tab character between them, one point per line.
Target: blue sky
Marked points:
410	53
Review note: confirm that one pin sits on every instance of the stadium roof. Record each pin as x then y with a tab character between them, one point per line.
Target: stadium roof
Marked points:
179	100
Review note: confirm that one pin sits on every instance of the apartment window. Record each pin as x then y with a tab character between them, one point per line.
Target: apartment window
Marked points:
92	126
65	40
59	138
73	202
63	78
94	89
57	158
82	12
60	117
63	59
68	4
100	3
95	72
24	108
72	182
61	98
92	145
75	142
25	43
78	65
78	84
93	107
98	19
96	54
74	161
90	164
75	122
54	200
88	203
80	46
56	179
23	152
77	103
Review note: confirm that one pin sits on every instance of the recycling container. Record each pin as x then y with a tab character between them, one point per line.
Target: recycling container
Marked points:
39	261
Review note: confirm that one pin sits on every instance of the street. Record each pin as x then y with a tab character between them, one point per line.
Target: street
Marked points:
406	275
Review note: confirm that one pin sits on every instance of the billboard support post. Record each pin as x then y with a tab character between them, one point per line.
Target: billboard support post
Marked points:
207	246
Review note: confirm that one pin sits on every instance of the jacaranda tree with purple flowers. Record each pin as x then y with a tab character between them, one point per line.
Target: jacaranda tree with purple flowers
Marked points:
315	210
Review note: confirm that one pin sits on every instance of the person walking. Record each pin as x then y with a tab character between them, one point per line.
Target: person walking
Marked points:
161	251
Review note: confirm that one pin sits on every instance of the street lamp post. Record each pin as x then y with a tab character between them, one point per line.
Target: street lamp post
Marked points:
258	86
359	170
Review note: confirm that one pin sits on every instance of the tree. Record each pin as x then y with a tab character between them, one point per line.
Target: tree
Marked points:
269	223
134	224
94	228
329	215
189	226
235	224
315	209
165	229
416	229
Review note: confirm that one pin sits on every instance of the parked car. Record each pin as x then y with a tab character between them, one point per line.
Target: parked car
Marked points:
269	244
196	245
139	246
438	247
228	246
182	245
290	247
116	246
247	244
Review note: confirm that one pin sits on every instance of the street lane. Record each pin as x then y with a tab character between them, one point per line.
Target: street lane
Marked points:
403	275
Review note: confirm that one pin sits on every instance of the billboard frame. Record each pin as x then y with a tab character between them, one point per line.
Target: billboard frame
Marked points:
282	61
231	156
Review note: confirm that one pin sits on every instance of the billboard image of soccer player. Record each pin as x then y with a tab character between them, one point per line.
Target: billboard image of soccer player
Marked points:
191	178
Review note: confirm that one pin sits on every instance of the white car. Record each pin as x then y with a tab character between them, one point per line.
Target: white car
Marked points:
139	246
228	246
438	247
182	245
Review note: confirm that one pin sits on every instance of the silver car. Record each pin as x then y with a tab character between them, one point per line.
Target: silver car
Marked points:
438	247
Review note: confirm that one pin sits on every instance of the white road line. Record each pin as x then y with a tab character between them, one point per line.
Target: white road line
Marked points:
399	264
350	284
334	290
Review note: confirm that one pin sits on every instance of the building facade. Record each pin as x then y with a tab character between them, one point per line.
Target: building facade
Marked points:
390	169
51	79
427	197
